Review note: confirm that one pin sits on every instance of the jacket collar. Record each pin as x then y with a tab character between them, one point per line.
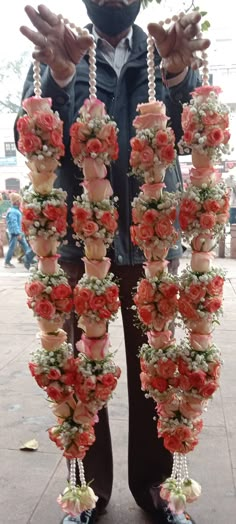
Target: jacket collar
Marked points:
139	45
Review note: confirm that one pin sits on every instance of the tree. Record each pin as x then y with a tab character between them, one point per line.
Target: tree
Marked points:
12	76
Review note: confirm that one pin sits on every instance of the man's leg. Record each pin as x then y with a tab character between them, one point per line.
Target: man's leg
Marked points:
98	463
11	249
149	462
29	254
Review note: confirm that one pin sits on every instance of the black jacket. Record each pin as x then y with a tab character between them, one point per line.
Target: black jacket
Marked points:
121	96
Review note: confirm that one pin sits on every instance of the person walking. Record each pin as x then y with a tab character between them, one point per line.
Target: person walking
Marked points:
121	84
13	223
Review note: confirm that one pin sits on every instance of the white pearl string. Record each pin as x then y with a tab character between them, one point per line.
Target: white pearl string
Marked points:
92	55
81	473
73	473
37	79
151	69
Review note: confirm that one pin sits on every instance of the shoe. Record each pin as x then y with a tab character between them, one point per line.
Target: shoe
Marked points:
87	517
165	516
9	265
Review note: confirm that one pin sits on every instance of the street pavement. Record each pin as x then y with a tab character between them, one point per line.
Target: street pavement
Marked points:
30	481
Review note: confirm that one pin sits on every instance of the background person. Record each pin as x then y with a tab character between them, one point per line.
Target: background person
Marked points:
13	223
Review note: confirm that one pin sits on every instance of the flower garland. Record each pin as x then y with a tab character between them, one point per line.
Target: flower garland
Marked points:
93	147
76	387
180	378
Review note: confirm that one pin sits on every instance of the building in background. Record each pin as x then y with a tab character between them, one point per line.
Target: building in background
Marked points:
13	171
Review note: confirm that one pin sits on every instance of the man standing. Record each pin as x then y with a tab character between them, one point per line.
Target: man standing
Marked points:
121	85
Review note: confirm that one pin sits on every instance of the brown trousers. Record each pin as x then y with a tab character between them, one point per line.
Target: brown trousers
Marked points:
149	463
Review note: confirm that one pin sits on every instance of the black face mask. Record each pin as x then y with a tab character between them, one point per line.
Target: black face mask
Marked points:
112	20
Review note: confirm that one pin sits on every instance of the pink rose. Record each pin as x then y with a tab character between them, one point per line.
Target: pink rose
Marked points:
94	168
167	154
94	348
48	265
201	262
164	228
90	228
146	157
209	388
196	292
92	328
200	342
34	103
204	91
213	304
97	268
222	218
202	327
167	368
155	268
45	309
214	369
200	159
55	391
54	374
50	326
98	189
203	242
155	253
207	220
215	287
152	191
191	409
42	182
156	107
43	166
94	108
82	414
44	247
149	120
145	291
160	339
63	410
35	288
204	175
60	292
197	379
95	248
53	341
215	136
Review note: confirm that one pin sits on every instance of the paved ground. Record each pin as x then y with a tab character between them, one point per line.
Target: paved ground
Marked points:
31	481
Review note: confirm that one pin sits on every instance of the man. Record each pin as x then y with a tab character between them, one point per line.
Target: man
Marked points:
13	222
121	85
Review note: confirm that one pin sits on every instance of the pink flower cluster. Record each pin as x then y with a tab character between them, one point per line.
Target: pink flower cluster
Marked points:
204	211
40	132
156	302
56	379
201	296
205	122
94	390
149	150
95	220
49	296
153	217
153	147
73	439
94	134
44	215
96	299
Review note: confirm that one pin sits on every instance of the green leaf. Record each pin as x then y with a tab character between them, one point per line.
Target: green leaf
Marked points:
205	25
203	13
